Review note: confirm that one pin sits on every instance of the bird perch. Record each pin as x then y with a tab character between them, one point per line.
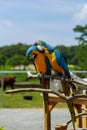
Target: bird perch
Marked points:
66	98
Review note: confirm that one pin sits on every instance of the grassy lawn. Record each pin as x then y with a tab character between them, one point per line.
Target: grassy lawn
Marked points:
16	100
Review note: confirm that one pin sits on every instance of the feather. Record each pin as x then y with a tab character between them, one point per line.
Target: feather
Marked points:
40	60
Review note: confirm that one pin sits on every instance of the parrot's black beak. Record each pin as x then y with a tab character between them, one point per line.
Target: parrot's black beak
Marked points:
31	57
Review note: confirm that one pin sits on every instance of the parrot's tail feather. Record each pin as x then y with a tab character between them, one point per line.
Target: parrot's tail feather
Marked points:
70	104
72	112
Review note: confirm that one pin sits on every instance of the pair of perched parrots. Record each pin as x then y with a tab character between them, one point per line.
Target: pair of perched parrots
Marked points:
46	58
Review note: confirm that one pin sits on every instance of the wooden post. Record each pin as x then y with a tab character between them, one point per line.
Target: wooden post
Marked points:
84	119
47	118
79	120
61	127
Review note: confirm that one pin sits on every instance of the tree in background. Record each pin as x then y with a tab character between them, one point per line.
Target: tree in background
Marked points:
2	60
83	33
82	53
82	49
14	55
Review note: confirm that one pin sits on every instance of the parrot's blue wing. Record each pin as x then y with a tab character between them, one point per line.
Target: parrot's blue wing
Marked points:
61	62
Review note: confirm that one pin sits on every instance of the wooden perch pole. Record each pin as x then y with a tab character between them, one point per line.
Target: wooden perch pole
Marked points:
45	90
47	118
61	127
71	97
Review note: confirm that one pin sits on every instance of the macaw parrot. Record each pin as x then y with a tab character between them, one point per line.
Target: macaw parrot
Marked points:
56	58
59	65
41	62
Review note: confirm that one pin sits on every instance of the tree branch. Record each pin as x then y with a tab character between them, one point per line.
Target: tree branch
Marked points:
66	98
77	116
38	90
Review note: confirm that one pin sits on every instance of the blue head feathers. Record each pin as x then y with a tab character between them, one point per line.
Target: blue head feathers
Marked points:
28	52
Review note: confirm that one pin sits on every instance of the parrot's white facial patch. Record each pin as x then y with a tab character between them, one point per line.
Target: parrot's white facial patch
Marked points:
39	48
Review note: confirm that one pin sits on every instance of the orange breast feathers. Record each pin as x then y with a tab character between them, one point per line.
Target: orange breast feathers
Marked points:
52	59
40	62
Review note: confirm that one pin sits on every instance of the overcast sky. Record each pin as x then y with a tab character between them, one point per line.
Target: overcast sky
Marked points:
53	21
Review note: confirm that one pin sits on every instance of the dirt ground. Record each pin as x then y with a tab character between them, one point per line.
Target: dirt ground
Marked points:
27	119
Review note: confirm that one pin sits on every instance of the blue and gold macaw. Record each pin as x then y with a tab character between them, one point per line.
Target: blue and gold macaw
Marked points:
59	65
41	62
56	59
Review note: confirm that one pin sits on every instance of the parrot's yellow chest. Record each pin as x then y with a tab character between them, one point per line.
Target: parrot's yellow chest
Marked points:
53	62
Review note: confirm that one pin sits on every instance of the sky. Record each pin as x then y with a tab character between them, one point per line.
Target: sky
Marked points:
52	21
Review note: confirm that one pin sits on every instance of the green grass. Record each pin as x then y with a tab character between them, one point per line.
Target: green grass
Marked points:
16	100
1	128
